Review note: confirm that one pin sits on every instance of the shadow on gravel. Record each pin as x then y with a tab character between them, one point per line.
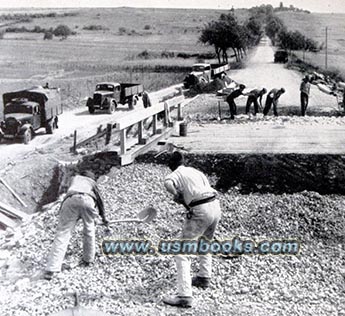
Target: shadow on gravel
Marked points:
268	173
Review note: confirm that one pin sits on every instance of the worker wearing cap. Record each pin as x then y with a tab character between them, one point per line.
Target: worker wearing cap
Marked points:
305	91
81	201
272	98
191	188
231	100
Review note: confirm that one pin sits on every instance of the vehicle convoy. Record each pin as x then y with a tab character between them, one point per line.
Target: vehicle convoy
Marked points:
26	111
108	95
204	73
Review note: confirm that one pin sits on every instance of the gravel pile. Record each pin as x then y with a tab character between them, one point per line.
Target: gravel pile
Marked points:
311	283
205	108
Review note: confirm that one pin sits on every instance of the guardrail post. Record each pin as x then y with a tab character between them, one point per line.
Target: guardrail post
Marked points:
75	141
154	124
123	141
141	140
179	112
219	111
108	134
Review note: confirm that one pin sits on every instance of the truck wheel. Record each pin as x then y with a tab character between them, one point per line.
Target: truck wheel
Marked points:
27	136
91	109
130	103
50	127
111	108
135	100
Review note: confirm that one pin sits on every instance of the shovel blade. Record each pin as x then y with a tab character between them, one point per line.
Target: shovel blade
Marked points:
147	214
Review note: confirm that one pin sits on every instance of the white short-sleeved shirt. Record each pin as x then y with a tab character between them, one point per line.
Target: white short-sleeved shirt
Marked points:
191	183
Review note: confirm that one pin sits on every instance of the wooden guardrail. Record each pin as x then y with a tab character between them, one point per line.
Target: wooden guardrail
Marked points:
101	132
159	130
160	123
155	97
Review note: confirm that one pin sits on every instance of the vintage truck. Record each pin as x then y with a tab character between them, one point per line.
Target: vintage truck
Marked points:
204	73
108	95
28	110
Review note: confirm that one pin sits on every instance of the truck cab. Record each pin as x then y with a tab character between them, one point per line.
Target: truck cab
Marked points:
108	95
202	70
28	110
104	97
203	73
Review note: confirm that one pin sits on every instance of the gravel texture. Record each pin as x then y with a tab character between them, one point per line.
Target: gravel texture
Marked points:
311	283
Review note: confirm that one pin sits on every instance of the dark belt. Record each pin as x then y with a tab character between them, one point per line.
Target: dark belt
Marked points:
203	201
69	195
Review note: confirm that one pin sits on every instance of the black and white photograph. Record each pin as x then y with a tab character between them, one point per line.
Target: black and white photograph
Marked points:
172	158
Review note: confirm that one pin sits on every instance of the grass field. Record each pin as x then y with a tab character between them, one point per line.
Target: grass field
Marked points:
314	26
93	52
77	63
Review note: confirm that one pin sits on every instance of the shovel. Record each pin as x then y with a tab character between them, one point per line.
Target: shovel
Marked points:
144	216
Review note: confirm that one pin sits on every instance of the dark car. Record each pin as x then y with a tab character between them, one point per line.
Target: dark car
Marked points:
281	56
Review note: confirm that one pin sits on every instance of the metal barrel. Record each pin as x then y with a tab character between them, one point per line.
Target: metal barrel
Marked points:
183	129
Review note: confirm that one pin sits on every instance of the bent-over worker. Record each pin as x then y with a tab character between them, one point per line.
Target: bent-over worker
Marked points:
231	100
253	97
81	201
272	98
191	188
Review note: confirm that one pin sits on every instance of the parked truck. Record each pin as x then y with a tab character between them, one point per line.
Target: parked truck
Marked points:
108	95
28	110
204	73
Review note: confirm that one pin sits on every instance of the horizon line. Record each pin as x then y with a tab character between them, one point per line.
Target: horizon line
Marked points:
139	7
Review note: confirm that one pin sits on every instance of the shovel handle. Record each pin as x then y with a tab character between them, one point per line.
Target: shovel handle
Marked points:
125	220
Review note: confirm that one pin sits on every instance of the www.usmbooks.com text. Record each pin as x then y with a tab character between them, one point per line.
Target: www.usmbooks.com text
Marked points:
235	246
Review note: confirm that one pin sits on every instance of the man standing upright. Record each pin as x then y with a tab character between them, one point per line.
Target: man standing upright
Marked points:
191	188
305	91
272	98
81	201
231	100
253	97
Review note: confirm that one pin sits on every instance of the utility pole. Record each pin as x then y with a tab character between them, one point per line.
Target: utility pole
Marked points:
326	47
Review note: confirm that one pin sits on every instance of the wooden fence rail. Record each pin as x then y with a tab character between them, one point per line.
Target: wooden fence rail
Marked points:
142	143
157	118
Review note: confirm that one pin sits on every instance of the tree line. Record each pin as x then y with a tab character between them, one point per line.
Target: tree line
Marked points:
227	33
288	40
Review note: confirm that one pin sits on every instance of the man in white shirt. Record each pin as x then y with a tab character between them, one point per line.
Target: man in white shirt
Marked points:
83	201
191	188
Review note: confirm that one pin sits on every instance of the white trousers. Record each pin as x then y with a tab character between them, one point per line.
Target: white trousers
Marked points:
75	207
202	224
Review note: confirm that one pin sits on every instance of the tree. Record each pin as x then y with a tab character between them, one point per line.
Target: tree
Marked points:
296	41
227	33
62	30
273	27
254	30
48	35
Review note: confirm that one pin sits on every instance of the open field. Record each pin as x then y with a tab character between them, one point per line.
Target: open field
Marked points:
314	26
77	63
25	55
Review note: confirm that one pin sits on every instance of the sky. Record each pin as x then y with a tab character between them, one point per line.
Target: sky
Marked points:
335	6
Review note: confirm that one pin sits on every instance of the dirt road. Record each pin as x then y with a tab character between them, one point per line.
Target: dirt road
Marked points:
79	119
262	72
